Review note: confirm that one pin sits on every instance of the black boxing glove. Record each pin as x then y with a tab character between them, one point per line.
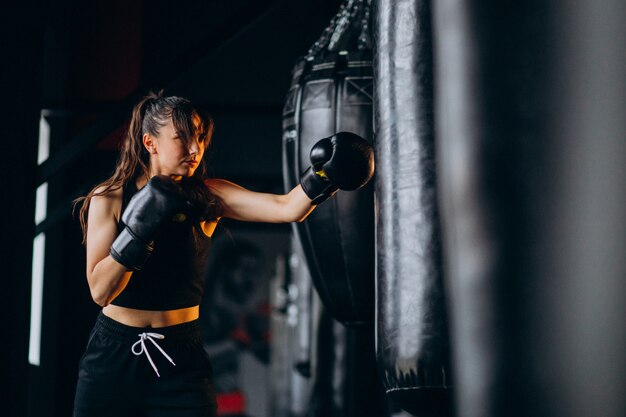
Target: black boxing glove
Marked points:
344	161
161	200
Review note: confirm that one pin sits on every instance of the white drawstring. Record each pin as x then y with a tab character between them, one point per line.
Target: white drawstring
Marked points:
142	344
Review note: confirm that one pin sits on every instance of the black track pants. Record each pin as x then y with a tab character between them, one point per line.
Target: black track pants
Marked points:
126	371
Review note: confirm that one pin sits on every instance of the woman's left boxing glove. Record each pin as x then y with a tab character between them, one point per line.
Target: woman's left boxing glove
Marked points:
344	161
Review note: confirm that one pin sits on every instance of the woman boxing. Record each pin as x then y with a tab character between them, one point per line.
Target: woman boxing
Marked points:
146	230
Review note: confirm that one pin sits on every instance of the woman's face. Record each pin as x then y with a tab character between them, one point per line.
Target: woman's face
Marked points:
170	155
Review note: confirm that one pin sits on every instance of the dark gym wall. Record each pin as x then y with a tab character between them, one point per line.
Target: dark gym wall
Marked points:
20	82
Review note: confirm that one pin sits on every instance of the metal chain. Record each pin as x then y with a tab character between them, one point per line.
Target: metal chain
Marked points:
365	37
348	12
343	22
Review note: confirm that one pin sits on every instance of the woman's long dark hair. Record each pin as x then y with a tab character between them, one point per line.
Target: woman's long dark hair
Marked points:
149	116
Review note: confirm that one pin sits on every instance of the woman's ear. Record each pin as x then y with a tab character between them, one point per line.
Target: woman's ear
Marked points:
149	143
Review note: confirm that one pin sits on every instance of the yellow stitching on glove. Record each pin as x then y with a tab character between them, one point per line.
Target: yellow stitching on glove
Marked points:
321	173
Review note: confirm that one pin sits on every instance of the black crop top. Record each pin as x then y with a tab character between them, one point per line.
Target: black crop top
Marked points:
172	278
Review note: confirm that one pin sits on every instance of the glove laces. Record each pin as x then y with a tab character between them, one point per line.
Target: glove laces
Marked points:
141	344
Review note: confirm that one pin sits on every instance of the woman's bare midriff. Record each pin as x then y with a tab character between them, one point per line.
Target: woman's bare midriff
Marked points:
148	318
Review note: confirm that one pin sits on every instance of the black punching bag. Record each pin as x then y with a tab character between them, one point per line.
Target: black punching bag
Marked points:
532	151
412	344
331	91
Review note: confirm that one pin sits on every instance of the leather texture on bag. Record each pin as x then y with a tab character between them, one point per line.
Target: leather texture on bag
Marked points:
412	331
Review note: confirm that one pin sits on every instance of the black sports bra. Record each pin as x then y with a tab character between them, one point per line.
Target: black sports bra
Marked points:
173	276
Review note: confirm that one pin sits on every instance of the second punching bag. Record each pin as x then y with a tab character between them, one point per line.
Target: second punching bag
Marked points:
412	335
331	91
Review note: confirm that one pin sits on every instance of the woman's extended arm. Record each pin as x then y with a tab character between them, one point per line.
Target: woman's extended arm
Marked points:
343	161
106	277
242	204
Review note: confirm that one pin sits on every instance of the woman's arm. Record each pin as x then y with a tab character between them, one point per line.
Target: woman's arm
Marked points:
242	204
344	161
106	277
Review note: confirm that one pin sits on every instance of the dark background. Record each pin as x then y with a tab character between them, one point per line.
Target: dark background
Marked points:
81	66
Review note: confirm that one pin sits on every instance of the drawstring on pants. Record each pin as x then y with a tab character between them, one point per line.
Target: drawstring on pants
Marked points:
143	349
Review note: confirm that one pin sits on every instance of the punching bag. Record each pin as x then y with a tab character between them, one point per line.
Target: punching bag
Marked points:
345	380
331	91
412	344
532	151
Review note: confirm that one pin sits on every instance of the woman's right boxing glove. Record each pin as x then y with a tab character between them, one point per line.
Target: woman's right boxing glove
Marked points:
159	201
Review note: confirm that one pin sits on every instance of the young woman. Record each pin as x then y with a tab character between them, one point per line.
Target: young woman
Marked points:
146	231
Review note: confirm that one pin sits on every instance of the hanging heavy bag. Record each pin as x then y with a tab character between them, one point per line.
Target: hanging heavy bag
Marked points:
412	344
331	91
533	191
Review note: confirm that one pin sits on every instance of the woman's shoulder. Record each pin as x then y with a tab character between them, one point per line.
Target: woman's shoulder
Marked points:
104	192
107	197
106	203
